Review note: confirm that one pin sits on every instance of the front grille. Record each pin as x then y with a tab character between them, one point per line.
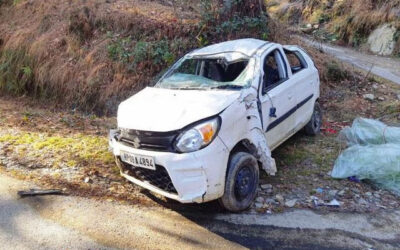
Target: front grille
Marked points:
155	141
158	177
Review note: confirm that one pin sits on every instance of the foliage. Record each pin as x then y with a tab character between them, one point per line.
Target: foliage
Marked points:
70	149
132	53
16	74
334	72
235	19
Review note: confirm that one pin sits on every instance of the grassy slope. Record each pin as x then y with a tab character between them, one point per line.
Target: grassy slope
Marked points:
92	54
64	51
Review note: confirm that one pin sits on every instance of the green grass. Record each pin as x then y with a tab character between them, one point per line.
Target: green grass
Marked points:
70	150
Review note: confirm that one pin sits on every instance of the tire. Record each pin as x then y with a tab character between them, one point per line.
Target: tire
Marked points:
313	127
241	182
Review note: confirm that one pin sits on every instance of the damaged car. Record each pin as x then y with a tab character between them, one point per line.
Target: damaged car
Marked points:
208	126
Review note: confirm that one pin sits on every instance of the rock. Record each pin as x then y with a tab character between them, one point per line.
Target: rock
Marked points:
266	186
271	201
309	25
381	40
316	26
377	195
290	203
398	97
370	97
369	194
87	180
258	205
381	98
279	198
260	199
375	86
341	192
307	30
361	201
332	193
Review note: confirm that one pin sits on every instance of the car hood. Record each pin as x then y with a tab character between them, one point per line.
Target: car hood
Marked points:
162	110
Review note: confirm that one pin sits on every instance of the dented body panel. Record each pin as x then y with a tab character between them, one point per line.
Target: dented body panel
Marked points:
256	118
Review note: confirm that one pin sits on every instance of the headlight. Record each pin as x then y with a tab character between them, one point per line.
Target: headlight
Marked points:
199	136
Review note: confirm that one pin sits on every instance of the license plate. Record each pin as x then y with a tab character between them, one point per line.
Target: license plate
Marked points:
140	161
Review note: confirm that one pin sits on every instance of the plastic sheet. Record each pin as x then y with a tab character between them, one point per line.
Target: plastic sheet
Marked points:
367	131
374	154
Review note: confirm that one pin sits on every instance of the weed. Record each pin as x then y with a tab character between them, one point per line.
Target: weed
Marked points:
334	72
16	74
119	50
81	23
158	52
237	19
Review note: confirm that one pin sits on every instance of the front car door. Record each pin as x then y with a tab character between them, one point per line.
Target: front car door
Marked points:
277	97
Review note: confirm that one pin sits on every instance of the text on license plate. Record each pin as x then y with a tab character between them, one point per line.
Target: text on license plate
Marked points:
138	160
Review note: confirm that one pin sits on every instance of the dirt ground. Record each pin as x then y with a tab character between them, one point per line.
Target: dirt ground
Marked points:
54	222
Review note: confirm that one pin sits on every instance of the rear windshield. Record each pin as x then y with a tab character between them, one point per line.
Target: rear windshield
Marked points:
208	73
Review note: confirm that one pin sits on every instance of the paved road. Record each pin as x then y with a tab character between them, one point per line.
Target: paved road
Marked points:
385	67
62	222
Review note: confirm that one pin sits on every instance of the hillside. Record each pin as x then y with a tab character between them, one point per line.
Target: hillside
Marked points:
90	55
349	22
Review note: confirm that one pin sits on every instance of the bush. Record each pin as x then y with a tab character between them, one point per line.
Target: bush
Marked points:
334	72
124	50
16	72
225	20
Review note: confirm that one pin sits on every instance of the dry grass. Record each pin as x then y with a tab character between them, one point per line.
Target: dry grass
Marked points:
68	40
69	43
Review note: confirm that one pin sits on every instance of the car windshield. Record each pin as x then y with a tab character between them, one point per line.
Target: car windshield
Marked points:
195	73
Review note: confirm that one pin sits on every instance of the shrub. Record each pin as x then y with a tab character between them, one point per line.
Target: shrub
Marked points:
334	72
130	53
16	72
235	19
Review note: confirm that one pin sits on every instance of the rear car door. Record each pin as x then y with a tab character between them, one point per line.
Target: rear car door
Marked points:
303	78
277	97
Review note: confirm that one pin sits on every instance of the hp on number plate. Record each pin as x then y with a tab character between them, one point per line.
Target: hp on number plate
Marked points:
138	160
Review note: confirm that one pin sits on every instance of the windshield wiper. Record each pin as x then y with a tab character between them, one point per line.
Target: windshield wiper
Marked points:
189	88
228	86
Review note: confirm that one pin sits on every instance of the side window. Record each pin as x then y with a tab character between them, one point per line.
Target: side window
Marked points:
274	70
296	61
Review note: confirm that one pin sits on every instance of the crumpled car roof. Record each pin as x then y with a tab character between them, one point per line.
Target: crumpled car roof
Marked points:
233	50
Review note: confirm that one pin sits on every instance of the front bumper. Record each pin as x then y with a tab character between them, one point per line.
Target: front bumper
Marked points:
197	177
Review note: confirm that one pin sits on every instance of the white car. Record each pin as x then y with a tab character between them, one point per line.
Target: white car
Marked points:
208	125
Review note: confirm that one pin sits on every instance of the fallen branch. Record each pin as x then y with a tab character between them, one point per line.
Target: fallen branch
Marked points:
36	192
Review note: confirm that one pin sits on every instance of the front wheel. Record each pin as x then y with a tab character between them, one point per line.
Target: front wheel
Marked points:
241	182
313	127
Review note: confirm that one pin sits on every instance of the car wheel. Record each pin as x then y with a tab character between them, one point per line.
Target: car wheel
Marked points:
313	127
241	182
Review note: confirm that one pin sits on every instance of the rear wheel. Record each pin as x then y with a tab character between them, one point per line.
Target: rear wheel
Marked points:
313	127
241	182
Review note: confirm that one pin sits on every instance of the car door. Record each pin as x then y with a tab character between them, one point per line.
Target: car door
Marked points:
277	98
303	78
